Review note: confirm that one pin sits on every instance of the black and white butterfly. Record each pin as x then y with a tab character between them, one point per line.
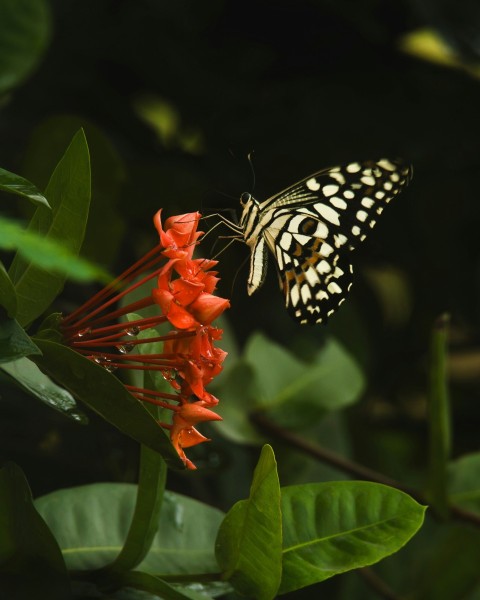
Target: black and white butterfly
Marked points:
311	227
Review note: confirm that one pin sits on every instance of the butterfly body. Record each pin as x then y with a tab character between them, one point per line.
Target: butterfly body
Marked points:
310	229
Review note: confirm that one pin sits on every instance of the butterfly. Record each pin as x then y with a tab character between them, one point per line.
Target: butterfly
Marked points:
312	226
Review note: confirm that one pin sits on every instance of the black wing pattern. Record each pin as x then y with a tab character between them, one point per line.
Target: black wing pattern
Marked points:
311	227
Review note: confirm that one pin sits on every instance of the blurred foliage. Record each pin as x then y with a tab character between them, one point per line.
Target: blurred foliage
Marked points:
172	97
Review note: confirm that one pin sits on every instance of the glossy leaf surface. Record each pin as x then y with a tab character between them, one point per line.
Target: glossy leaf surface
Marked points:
91	523
31	564
68	193
106	395
330	528
249	542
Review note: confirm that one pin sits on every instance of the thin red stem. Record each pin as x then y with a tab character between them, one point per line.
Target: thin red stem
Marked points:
110	288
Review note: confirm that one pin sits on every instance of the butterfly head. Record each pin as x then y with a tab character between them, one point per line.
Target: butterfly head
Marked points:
245	199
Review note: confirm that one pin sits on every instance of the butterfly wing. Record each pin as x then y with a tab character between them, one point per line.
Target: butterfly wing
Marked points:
311	227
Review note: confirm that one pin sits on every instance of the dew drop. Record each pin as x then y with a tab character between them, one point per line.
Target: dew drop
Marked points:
132	331
179	517
83	332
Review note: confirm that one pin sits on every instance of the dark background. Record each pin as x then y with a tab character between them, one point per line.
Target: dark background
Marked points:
304	84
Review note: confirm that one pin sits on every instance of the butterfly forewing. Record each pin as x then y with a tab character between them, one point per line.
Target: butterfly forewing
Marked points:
310	228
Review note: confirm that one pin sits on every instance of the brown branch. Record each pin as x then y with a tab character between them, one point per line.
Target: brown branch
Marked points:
377	584
352	468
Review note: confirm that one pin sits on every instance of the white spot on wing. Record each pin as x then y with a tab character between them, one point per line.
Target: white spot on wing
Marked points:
340	239
312	184
353	168
321	295
312	276
362	215
330	189
356	230
334	288
338	203
379	195
305	293
367	202
327	213
368	180
338	177
349	195
285	241
326	249
386	164
323	267
294	296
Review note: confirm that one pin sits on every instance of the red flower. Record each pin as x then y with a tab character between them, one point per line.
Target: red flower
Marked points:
180	234
184	294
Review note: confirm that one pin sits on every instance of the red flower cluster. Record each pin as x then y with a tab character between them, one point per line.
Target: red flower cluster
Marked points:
190	358
185	296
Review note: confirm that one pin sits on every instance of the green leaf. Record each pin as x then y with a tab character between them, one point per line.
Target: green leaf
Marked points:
249	542
14	342
274	367
438	419
151	486
47	254
68	193
106	222
106	395
294	393
9	182
464	482
91	523
30	378
8	296
330	528
24	35
332	381
31	564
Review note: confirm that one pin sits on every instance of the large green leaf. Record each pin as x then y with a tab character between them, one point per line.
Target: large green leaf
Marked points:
29	377
14	342
151	486
68	193
295	393
330	528
9	182
8	296
31	564
249	542
24	35
106	395
331	381
91	523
